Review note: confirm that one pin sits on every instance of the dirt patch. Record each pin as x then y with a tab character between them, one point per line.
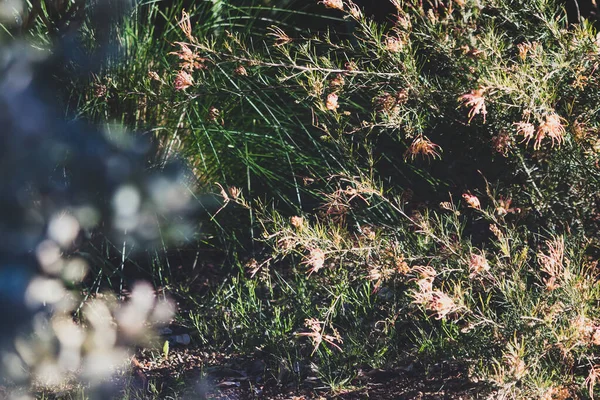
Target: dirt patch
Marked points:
192	373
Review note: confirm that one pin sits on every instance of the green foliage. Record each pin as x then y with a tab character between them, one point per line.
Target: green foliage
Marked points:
359	139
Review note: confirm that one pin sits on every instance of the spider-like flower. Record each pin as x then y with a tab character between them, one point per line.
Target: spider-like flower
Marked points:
281	38
502	143
525	129
404	21
504	207
446	205
183	80
336	4
186	26
525	48
476	101
441	304
354	10
596	337
240	70
316	260
154	76
517	366
472	200
422	146
317	334
551	127
234	192
496	231
433	300
553	263
350	66
297	222
590	381
584	326
213	114
337	82
189	59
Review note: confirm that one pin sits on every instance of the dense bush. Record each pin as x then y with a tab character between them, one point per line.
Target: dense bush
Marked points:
65	181
421	188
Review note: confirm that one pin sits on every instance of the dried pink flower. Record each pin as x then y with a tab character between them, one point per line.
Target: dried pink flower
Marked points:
422	146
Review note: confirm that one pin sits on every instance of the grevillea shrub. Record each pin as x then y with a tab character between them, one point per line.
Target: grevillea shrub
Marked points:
423	188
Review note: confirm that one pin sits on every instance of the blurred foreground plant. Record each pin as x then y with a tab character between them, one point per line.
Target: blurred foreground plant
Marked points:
63	181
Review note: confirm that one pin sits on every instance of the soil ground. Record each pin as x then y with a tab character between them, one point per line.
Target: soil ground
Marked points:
214	376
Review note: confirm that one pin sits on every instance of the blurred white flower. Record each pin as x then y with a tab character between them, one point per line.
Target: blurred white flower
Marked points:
49	257
63	229
42	291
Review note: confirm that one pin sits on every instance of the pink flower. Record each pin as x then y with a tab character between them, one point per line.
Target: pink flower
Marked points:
183	80
472	200
476	101
332	102
551	127
526	129
337	4
422	146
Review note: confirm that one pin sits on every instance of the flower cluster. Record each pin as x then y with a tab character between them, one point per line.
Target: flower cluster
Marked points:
552	127
440	303
189	60
553	263
317	336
